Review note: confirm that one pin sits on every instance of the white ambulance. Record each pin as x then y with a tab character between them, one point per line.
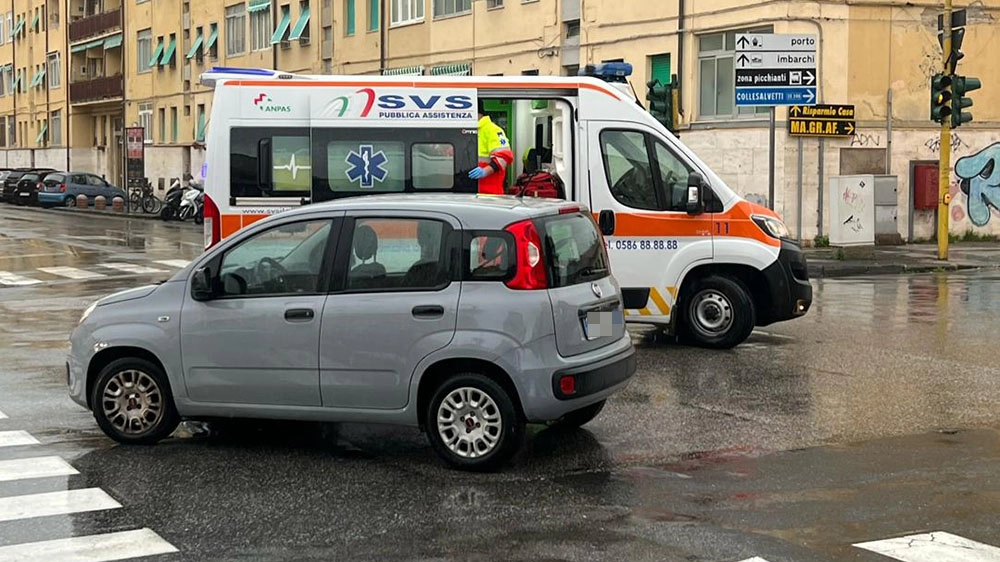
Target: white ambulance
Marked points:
692	256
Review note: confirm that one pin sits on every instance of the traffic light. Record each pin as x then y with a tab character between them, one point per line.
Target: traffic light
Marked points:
941	98
960	86
661	103
959	19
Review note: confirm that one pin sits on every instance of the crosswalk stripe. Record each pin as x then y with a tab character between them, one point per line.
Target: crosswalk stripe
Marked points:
131	268
35	467
179	264
3	416
754	559
71	272
14	280
16	438
93	548
933	547
55	503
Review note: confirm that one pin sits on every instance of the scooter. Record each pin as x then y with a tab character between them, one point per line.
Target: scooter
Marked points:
191	203
172	201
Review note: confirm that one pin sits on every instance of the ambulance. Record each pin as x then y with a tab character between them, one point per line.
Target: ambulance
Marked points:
693	257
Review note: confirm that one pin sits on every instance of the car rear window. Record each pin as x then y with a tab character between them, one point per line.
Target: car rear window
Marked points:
574	249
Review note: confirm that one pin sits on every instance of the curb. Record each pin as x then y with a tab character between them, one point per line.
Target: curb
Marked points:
94	214
820	271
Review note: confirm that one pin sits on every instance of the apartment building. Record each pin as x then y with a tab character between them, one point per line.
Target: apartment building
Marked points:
32	89
136	62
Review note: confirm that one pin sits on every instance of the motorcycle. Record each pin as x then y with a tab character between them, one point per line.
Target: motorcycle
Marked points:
191	204
172	201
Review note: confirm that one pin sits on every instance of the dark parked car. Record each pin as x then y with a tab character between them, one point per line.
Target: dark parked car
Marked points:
13	177
61	188
26	190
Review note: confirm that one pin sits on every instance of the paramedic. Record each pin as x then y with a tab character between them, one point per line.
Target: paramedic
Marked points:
495	155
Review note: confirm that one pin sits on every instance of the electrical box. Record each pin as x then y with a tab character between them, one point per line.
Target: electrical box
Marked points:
925	187
852	210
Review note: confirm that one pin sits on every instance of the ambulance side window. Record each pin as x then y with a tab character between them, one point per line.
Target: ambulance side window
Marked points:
270	162
673	176
628	170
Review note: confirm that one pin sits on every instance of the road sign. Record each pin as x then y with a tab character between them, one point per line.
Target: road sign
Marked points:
775	69
821	121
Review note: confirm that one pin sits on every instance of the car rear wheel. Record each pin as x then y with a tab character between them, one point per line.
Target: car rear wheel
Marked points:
69	201
473	424
718	313
579	418
132	402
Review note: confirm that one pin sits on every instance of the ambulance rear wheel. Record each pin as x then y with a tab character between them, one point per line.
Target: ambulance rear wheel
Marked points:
718	313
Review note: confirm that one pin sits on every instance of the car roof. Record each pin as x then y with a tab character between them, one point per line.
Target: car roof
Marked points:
458	204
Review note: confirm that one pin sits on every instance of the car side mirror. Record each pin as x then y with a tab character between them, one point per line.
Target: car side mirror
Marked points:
695	194
606	221
201	285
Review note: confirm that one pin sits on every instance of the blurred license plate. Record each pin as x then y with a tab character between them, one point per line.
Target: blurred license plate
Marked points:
601	324
24	194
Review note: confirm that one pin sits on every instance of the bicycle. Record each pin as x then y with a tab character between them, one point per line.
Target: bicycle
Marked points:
142	198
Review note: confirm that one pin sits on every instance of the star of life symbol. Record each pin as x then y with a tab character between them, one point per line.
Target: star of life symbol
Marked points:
367	166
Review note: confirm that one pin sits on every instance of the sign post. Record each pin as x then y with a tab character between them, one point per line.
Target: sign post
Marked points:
773	70
135	162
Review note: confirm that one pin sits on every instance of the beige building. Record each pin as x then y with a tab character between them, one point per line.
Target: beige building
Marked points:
136	62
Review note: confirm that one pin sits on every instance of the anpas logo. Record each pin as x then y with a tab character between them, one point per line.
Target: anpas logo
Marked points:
366	103
264	103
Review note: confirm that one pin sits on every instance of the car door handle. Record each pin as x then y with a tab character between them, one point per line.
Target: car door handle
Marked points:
299	314
428	311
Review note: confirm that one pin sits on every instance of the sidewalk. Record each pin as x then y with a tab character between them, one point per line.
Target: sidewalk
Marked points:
912	258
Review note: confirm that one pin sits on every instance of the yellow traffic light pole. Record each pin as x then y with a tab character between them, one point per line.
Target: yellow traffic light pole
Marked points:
944	166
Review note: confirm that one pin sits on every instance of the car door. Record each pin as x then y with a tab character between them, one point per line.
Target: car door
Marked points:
256	341
95	186
638	178
394	302
77	184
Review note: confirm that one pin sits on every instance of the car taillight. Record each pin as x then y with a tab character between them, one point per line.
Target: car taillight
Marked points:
62	188
39	186
530	273
213	226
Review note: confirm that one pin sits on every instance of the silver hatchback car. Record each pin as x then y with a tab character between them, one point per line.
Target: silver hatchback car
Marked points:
468	316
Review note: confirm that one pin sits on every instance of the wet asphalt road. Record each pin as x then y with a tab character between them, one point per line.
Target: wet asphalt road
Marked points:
874	416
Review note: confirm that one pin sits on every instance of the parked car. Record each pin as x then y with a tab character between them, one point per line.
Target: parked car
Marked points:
467	316
26	189
10	183
61	188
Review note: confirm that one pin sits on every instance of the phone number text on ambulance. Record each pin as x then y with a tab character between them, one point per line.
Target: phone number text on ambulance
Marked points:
641	245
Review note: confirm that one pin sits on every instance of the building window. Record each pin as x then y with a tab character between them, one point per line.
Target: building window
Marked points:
12	131
349	17
144	49
260	29
373	15
406	11
572	29
54	14
54	69
236	30
173	124
213	42
199	134
3	32
301	29
55	130
493	4
146	121
161	125
444	8
716	75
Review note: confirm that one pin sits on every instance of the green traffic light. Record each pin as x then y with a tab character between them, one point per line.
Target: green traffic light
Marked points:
960	86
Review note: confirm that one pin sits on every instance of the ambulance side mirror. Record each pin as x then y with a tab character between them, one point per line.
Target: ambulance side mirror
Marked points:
606	220
695	194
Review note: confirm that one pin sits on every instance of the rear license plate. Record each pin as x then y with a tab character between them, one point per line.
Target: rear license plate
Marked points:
22	194
601	324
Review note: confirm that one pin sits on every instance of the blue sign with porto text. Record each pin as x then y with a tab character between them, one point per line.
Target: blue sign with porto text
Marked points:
775	70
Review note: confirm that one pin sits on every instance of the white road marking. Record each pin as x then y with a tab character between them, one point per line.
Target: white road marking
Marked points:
35	467
3	416
71	272
933	547
55	503
94	548
754	559
131	268
179	264
16	438
15	280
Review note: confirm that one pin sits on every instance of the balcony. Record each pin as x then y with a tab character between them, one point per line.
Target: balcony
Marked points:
98	89
97	24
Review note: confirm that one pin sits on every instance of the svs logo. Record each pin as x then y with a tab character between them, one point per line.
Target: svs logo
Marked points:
412	106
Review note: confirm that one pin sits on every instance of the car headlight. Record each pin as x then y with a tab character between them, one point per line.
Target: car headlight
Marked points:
87	312
771	226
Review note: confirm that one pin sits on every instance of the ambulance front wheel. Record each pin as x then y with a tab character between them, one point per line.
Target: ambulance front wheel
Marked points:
718	313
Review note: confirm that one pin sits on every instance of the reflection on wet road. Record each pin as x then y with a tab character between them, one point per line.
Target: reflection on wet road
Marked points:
873	417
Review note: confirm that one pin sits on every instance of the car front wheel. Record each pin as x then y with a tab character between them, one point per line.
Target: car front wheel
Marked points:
473	423
132	403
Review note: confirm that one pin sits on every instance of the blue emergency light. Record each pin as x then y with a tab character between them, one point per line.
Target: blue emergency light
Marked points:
608	71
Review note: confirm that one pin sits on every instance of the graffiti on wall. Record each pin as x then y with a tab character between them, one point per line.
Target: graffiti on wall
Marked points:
866	140
934	143
980	181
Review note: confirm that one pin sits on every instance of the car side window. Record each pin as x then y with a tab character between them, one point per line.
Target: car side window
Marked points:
96	181
489	256
284	260
401	254
80	179
628	169
673	176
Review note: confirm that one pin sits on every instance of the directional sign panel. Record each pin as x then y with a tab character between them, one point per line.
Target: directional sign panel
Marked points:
775	69
821	121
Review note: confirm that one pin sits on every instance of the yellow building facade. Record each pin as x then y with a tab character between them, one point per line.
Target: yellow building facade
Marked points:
136	62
